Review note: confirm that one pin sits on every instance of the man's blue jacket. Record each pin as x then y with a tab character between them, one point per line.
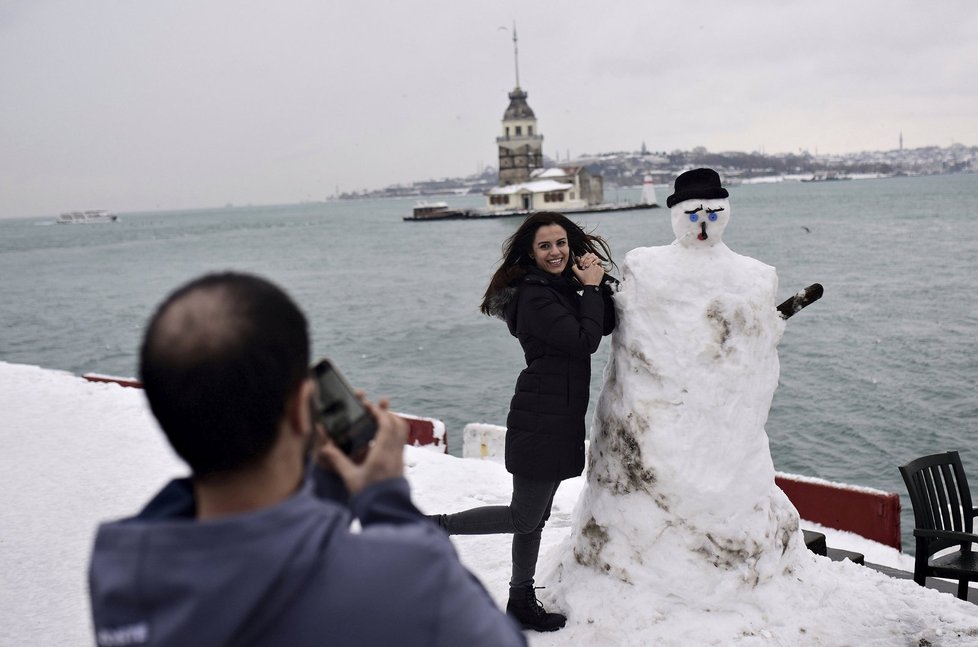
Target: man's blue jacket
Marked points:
291	574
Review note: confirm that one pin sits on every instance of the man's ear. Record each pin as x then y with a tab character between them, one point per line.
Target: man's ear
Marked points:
297	413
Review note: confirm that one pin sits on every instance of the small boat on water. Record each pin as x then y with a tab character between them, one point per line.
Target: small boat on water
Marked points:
436	211
826	177
92	216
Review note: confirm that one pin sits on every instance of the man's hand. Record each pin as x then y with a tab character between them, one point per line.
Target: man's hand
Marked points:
384	458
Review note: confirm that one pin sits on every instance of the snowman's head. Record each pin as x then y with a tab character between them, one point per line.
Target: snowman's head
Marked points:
700	223
700	208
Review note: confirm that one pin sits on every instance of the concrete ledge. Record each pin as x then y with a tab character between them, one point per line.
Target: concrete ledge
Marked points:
945	586
837	555
815	541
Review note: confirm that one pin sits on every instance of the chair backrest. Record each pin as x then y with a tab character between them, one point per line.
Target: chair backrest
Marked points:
939	493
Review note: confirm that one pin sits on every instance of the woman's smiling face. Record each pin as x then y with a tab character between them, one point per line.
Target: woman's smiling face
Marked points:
551	251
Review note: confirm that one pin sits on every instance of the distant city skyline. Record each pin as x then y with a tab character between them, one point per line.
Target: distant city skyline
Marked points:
156	105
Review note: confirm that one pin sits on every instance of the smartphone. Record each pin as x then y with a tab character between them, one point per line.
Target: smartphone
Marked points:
335	405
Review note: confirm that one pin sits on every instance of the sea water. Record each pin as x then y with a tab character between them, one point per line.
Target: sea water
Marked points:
884	368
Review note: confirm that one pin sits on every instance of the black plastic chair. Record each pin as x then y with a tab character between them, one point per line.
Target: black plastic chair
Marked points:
943	518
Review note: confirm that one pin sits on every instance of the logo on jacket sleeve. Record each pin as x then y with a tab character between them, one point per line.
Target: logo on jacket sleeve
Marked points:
134	634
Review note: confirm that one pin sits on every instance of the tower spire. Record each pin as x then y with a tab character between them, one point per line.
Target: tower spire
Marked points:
516	55
520	146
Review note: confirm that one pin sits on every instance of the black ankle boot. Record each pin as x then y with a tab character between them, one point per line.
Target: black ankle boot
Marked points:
524	606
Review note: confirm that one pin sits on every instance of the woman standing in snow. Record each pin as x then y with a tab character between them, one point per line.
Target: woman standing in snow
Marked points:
546	264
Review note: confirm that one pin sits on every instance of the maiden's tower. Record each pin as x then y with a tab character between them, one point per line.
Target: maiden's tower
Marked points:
524	184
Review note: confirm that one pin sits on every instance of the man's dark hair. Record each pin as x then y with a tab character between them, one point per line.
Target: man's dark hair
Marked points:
221	357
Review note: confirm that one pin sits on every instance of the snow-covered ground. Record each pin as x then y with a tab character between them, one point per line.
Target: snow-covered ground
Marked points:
75	453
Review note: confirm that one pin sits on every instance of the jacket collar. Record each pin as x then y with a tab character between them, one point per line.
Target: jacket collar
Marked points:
564	282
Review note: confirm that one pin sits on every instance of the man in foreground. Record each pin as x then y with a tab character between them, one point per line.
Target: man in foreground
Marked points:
255	547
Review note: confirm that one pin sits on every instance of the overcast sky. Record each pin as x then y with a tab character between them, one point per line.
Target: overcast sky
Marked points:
135	105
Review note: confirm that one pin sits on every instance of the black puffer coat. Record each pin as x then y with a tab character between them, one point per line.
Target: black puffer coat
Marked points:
558	329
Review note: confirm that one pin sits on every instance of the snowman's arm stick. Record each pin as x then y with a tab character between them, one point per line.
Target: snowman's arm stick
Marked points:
809	295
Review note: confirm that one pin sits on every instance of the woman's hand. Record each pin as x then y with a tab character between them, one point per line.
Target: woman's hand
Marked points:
588	269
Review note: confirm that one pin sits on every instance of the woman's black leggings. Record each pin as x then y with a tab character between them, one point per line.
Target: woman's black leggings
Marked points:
524	517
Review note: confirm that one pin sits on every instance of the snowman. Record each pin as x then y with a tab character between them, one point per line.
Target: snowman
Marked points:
680	493
680	535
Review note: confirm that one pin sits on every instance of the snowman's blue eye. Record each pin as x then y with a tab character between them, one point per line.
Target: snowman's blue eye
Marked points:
713	217
693	217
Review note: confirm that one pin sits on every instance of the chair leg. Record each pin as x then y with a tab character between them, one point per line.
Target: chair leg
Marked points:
963	589
920	577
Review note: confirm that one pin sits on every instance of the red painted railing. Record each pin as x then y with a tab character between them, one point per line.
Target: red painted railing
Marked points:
421	430
873	514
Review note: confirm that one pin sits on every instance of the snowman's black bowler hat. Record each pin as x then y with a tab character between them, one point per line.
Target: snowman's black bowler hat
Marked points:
703	183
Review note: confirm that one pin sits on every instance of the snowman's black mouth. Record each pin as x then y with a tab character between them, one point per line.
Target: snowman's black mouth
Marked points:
702	235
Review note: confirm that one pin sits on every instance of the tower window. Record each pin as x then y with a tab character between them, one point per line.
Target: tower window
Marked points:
529	131
507	131
519	130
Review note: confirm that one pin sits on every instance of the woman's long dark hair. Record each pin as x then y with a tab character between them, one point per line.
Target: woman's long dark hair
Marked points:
517	259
